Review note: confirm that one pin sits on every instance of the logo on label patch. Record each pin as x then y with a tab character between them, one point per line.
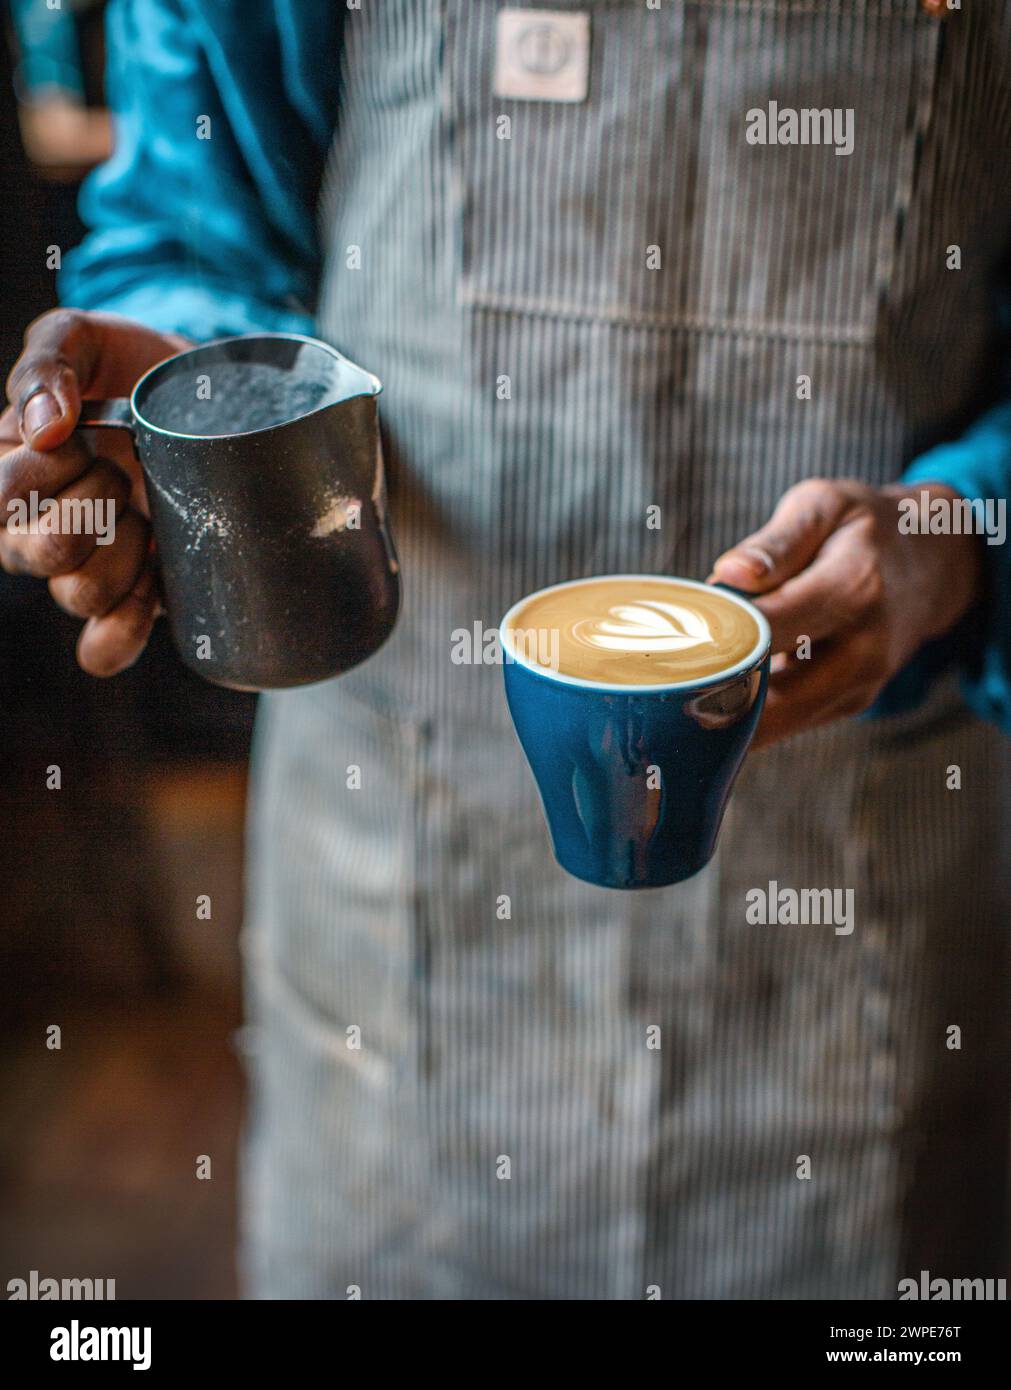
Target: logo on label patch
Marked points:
542	55
543	49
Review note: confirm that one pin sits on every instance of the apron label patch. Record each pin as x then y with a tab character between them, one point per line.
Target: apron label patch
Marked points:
542	55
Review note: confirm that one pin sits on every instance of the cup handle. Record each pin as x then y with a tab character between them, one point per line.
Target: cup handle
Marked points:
113	414
738	593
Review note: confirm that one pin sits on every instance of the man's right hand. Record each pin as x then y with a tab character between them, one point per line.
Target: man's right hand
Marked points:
70	356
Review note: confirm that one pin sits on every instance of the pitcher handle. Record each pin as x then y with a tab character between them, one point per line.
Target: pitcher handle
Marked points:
112	414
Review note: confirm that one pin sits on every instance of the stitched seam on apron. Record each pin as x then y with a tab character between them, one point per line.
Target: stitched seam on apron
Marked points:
897	9
808	333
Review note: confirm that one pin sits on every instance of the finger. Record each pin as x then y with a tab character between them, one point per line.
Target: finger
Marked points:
10	431
60	357
110	644
802	521
84	510
841	589
841	680
118	445
70	354
109	573
24	471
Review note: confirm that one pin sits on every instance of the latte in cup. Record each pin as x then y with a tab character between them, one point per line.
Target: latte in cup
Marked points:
633	631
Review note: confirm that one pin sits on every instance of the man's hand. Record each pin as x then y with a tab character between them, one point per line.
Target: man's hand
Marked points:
831	565
70	356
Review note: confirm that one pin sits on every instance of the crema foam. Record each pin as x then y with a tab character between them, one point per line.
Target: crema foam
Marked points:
634	631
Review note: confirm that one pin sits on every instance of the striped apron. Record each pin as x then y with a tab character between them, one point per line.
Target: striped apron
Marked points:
473	1076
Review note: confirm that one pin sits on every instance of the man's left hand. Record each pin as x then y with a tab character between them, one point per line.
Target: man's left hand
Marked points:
831	565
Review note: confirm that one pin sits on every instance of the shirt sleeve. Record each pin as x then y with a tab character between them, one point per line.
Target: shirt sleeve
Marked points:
977	466
48	52
202	221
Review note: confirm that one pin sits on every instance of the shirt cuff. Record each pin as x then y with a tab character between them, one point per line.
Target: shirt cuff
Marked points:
977	466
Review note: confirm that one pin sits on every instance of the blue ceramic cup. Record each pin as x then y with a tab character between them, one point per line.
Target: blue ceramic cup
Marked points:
634	779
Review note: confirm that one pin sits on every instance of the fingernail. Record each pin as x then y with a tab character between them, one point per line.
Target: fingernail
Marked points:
41	410
758	561
740	568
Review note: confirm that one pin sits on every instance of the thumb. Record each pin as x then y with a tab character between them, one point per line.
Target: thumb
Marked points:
804	518
70	354
46	383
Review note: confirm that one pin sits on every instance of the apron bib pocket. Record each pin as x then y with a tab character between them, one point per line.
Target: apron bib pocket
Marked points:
733	168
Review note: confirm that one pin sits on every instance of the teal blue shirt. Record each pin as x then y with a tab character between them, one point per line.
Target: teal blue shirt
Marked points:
204	223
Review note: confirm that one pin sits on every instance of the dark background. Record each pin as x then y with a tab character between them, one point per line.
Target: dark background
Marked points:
99	1140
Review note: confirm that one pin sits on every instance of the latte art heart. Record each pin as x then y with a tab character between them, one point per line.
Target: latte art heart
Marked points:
644	627
634	631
